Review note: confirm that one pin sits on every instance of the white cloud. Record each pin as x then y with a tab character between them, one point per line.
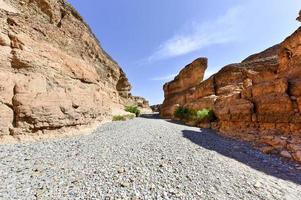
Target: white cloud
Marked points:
222	30
164	78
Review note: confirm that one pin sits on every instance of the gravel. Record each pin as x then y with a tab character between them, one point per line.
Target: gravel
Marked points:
145	159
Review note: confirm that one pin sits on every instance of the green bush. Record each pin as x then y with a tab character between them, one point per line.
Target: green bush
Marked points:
204	114
193	115
133	109
180	112
119	118
184	113
122	117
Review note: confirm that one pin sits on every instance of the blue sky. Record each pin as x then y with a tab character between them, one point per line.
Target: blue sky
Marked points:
153	40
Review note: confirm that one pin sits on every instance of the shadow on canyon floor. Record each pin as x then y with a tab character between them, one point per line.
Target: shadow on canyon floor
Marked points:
241	151
245	153
151	116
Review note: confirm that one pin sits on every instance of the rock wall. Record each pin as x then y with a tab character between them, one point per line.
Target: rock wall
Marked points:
53	71
175	92
257	100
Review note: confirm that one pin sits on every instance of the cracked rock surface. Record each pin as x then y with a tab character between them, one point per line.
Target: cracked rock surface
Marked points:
53	71
145	159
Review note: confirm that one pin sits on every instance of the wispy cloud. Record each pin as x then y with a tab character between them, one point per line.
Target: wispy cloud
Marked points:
200	35
164	78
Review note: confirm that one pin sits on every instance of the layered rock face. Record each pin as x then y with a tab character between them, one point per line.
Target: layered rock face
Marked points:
53	72
258	100
175	92
141	102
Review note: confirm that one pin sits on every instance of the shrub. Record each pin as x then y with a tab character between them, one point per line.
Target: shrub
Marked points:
204	114
180	112
130	116
193	115
184	113
133	109
119	118
123	117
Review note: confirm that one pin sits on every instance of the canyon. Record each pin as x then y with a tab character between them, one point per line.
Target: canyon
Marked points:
55	76
257	100
56	81
53	72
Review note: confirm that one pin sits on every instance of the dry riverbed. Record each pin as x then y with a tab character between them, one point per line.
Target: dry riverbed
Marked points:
145	158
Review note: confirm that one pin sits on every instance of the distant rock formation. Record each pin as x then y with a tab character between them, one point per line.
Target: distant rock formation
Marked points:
257	100
156	108
299	17
141	102
53	72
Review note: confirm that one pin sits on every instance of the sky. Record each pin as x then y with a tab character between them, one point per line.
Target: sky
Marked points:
152	40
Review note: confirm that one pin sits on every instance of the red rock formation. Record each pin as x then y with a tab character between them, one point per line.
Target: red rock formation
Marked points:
174	91
258	100
53	72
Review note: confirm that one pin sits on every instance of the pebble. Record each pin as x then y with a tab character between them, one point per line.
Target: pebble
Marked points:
145	159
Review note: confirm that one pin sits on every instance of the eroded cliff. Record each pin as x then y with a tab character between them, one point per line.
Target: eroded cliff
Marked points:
258	100
53	71
175	92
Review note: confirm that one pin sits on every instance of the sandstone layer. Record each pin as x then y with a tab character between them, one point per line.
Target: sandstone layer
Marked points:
175	92
258	100
53	71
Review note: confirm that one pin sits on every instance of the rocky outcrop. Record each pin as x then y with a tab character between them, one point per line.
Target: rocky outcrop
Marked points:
141	103
156	108
175	91
257	100
53	72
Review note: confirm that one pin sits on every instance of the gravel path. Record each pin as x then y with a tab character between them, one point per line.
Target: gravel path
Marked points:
144	159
